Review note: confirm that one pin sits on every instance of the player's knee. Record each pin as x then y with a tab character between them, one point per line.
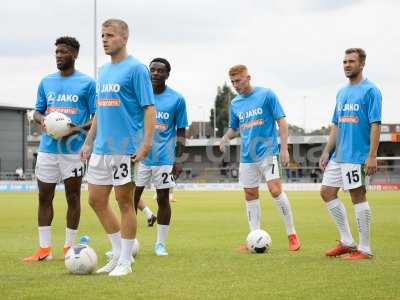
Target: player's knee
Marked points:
327	194
275	190
96	205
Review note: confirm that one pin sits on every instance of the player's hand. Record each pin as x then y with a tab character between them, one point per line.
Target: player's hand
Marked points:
141	154
177	170
371	166
223	144
323	161
284	157
85	152
73	129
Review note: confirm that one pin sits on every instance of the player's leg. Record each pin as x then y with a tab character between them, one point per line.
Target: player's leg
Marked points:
270	168
249	178
73	195
143	178
163	221
47	173
72	170
363	218
124	197
124	186
100	182
331	183
163	180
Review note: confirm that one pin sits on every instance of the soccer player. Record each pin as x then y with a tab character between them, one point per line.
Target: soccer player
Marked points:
255	112
163	164
125	104
354	141
72	93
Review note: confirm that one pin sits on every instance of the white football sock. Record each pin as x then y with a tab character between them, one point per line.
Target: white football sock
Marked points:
338	213
285	210
363	217
70	235
126	251
45	236
147	212
115	239
253	214
162	233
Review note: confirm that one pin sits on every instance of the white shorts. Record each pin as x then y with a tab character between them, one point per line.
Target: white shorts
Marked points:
160	176
54	168
251	174
344	175
110	169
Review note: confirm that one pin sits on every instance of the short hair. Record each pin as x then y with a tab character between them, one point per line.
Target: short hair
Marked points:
69	41
361	53
238	69
163	61
121	25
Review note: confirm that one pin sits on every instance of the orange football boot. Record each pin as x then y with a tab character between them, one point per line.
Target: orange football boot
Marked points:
294	243
65	250
242	248
40	255
357	255
340	249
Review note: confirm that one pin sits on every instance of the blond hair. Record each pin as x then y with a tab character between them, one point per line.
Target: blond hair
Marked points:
238	69
120	25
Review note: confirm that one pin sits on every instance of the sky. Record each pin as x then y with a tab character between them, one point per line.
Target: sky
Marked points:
294	47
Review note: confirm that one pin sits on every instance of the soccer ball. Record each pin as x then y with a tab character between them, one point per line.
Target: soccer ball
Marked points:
57	124
81	260
258	241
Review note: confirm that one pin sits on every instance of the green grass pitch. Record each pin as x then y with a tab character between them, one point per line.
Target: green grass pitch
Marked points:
203	263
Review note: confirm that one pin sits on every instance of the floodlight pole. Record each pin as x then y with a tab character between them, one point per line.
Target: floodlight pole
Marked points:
95	39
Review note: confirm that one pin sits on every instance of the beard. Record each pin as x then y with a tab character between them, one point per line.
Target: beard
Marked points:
67	65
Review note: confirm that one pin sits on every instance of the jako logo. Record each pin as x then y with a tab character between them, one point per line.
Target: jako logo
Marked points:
51	97
110	87
162	115
251	113
348	107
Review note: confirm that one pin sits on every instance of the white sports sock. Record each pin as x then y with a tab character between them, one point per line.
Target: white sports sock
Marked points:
253	214
126	251
162	233
285	210
115	239
338	213
70	235
363	217
45	236
147	212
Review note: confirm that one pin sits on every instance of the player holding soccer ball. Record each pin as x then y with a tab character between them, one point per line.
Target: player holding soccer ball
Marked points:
73	94
125	104
254	112
354	138
163	164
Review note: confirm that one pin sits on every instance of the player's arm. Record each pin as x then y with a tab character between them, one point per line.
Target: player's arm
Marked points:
74	129
329	147
86	149
38	117
283	135
230	134
180	148
149	123
371	164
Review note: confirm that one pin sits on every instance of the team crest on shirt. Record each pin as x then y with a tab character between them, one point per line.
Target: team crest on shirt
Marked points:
51	96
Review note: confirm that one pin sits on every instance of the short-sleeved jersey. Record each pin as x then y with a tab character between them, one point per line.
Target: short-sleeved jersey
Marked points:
123	90
357	107
73	96
255	115
170	115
